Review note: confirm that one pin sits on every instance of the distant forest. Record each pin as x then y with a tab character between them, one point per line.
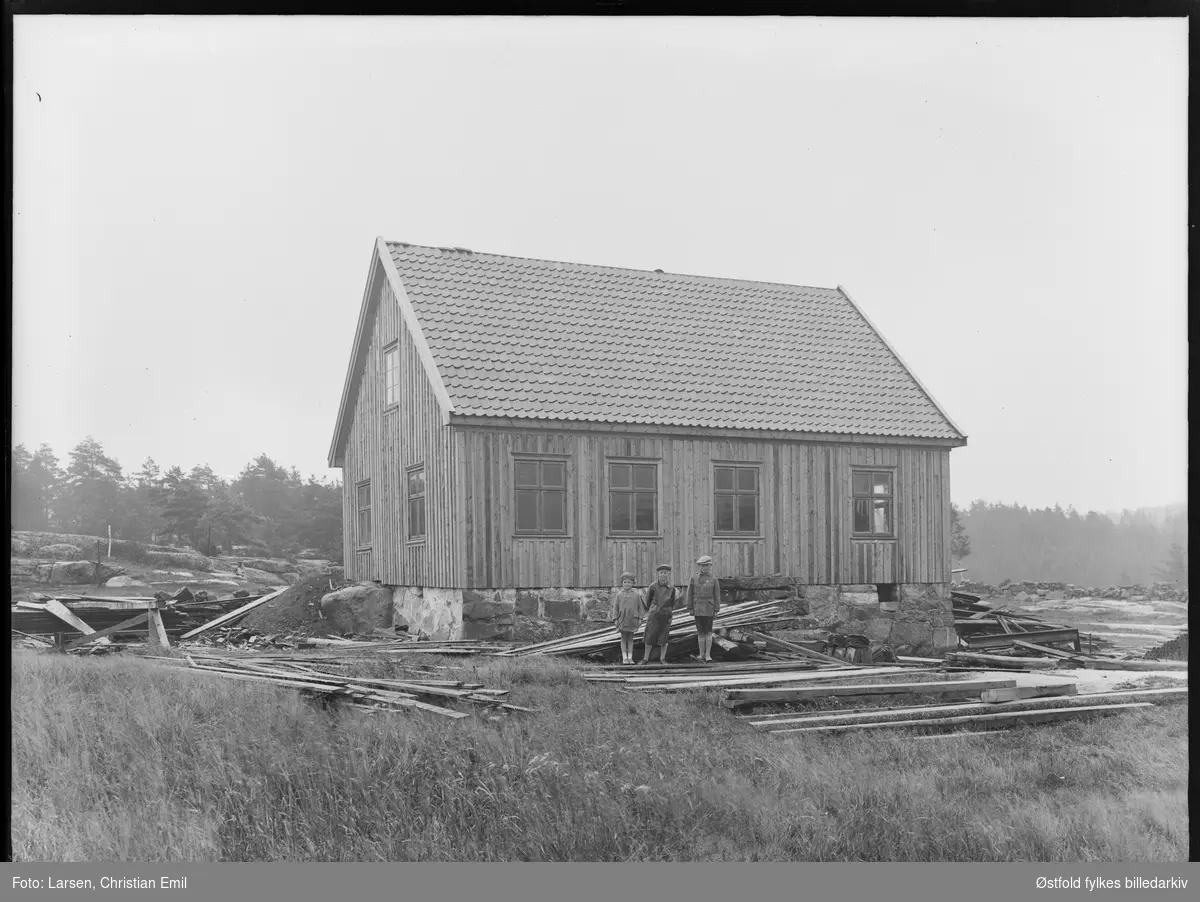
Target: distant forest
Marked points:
268	507
273	510
1016	543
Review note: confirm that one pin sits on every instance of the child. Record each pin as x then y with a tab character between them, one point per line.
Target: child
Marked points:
660	604
626	615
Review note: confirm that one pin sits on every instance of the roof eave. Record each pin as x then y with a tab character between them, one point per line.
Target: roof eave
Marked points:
908	369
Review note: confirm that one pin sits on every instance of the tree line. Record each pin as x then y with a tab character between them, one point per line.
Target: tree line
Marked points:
1013	542
268	507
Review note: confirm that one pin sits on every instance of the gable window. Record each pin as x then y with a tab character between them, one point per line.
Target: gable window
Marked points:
632	498
873	502
391	375
416	502
363	505
735	500
541	497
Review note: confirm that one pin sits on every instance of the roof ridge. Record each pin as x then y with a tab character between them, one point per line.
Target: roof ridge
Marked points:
600	266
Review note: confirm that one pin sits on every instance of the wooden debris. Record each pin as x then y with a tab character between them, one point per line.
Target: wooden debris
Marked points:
1015	717
235	614
123	626
739	698
995	696
1002	661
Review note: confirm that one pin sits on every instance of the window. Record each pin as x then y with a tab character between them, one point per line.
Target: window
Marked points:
391	375
363	503
735	501
541	487
632	498
416	502
873	499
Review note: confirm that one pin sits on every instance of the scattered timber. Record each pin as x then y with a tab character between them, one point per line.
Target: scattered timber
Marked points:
740	698
1016	717
995	696
233	615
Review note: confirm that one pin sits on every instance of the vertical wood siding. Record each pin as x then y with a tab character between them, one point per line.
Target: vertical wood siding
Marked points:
805	512
381	445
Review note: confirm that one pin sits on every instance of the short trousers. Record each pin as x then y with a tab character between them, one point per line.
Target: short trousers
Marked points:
627	635
704	624
658	631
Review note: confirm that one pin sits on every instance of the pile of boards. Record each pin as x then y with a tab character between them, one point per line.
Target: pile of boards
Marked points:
995	638
932	703
734	637
318	677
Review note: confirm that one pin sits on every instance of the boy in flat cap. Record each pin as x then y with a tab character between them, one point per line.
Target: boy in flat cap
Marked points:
660	604
702	601
626	614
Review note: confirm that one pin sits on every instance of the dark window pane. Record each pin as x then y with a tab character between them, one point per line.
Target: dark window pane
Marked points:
862	483
862	516
724	478
618	476
883	483
618	506
883	517
364	527
724	513
527	510
416	482
554	474
747	513
416	517
554	511
644	506
643	478
364	496
527	473
747	480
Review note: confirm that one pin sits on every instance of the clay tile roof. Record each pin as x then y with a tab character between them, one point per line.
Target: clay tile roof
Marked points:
535	338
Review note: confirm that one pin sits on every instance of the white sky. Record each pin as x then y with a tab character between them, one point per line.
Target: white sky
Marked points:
196	202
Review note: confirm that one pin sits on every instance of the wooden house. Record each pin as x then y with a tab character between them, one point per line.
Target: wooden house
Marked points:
515	433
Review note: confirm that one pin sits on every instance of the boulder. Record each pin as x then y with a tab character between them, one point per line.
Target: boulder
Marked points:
272	565
358	609
189	560
61	552
124	582
290	578
76	573
307	568
19	546
262	577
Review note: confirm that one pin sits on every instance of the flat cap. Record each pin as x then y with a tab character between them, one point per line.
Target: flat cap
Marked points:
628	576
662	567
704	560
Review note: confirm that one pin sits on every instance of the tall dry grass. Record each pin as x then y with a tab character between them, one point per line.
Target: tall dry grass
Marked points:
123	759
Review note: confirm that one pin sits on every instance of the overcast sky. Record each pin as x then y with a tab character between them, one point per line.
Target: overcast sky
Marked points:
197	199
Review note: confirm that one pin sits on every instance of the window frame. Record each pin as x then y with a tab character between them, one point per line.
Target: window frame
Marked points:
633	532
541	532
359	510
415	538
735	492
391	376
872	496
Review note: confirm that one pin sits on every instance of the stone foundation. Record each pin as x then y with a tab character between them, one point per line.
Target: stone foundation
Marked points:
915	622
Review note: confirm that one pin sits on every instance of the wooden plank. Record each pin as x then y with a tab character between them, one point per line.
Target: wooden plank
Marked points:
157	632
60	610
966	709
1041	637
995	696
1100	664
798	649
123	626
1003	661
1016	717
234	614
969	687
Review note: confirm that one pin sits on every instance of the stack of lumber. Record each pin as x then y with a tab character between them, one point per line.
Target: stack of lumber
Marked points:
606	641
997	707
761	676
312	680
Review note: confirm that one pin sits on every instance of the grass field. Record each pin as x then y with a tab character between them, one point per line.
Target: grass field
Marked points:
121	759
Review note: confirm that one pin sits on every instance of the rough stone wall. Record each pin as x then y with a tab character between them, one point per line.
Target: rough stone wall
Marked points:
919	622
